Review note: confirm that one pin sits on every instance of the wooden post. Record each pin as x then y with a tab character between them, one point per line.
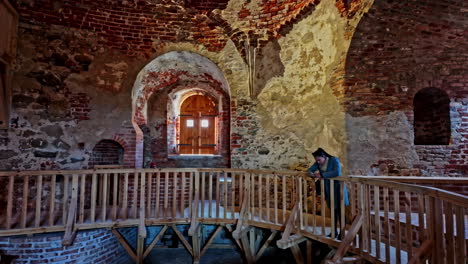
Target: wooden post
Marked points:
11	183
70	231
82	198
93	197
196	237
297	254
125	197
37	218
158	193
52	200
377	219
24	211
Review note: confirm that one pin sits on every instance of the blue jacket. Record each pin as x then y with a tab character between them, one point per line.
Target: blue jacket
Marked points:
333	170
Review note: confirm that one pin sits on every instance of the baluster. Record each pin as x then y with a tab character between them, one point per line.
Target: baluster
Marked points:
24	211
52	200
225	203
158	193
233	194
449	232
166	194
300	193
267	193
314	207
322	202
182	196
332	208
275	177
174	194
135	194
149	193
104	198
377	219
284	199
210	193
65	199
191	191
260	201
342	210
386	224
217	194
11	183
93	197
439	231
461	241
82	198
125	197
37	218
409	229
396	201
252	196
203	190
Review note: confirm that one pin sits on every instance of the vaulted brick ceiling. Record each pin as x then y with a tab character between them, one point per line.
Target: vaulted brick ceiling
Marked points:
141	24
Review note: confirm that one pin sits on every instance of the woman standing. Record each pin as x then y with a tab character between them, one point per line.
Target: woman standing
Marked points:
327	166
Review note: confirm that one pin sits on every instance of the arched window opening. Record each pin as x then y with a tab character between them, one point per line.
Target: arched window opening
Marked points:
198	122
107	152
431	117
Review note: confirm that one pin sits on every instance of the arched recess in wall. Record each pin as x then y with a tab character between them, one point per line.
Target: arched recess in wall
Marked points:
160	88
107	152
431	108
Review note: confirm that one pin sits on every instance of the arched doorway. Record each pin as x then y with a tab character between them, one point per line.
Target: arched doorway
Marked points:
197	126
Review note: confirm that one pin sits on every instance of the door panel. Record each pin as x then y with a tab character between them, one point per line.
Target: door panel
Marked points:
197	126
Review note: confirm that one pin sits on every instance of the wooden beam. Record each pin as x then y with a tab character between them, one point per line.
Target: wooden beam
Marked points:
182	239
246	249
265	245
213	236
422	251
350	235
291	241
240	228
194	213
196	241
70	230
296	250
309	254
124	244
289	226
155	240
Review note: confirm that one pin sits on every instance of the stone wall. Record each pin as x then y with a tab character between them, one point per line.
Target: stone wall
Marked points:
95	246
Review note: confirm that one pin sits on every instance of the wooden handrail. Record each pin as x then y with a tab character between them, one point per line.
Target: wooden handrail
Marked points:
140	197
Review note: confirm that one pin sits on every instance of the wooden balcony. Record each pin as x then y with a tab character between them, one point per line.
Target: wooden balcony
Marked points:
386	222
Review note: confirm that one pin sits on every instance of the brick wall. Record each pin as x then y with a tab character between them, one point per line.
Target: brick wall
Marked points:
400	48
96	246
107	152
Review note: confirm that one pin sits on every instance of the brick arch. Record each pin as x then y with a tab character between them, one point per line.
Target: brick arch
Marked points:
166	72
107	152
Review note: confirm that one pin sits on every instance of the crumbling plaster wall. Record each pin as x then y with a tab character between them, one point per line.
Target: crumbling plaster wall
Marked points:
297	111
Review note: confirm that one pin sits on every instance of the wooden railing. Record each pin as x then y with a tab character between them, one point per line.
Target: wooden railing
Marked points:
386	222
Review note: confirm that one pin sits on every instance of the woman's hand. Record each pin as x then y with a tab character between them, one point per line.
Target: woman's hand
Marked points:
316	174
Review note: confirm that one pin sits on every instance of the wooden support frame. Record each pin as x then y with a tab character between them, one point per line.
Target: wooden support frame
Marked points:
155	240
124	244
349	238
182	239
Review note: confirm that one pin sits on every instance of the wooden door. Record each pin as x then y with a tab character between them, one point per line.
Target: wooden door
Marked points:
197	126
